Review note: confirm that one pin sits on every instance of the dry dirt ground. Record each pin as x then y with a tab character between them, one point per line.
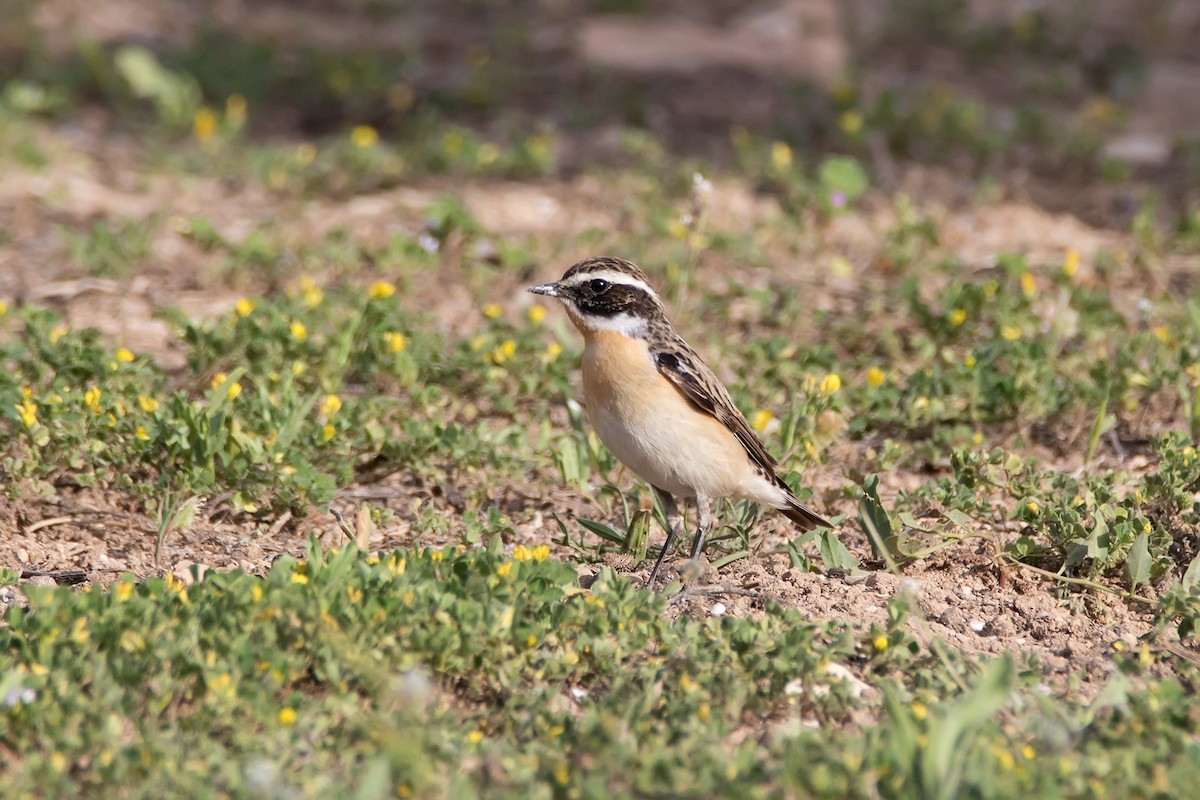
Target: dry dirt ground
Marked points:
96	174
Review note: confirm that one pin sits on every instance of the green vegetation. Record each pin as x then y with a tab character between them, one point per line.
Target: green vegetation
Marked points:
474	674
336	254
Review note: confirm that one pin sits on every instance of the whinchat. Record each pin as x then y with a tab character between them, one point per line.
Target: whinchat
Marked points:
658	408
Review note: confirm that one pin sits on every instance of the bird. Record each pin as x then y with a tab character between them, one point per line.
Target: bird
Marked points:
658	407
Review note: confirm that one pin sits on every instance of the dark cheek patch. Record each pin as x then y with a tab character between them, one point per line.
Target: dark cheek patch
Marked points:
617	300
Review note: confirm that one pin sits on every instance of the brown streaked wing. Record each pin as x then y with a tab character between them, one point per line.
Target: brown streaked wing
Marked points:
695	381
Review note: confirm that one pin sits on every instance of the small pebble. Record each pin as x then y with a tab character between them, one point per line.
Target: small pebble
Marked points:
717	610
977	625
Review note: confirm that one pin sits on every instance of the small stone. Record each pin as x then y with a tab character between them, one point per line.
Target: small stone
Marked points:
977	625
183	571
717	610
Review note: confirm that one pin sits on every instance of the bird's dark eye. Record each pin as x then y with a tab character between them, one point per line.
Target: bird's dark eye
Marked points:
598	285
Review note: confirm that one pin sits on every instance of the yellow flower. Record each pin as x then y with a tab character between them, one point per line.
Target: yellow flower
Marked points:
553	351
521	553
312	294
57	332
504	351
881	643
492	311
781	155
562	773
452	144
1028	285
920	711
204	124
92	398
243	307
1163	334
1071	262
395	341
969	361
364	136
299	331
830	384
3	308
173	584
148	404
850	122
475	736
306	154
761	419
235	109
536	313
28	412
300	578
505	569
287	716
327	433
331	405
958	316
123	590
540	553
1003	757
380	290
1010	333
1033	507
124	356
487	154
538	148
353	594
876	377
140	434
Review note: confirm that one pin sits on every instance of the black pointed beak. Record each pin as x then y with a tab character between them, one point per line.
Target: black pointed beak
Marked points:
548	289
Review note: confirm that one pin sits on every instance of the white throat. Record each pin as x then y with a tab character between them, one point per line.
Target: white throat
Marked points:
625	324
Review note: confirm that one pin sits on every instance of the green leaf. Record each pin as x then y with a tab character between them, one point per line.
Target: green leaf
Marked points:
1191	576
1137	563
603	531
873	520
834	554
843	174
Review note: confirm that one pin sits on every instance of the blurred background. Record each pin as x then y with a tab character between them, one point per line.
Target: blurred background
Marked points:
1048	96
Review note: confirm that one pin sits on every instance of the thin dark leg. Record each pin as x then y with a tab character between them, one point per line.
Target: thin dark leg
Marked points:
704	521
674	525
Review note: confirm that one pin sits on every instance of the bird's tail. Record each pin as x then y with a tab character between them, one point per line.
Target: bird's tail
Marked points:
803	516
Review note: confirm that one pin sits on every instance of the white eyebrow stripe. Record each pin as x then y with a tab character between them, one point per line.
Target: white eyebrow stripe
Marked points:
612	276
